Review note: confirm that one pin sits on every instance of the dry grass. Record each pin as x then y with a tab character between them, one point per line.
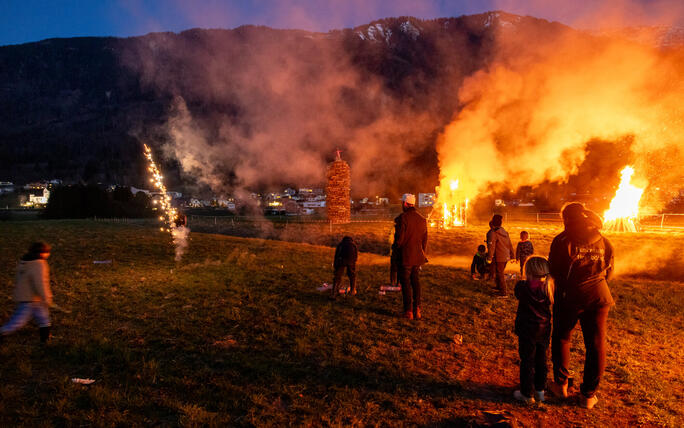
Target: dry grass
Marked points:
236	334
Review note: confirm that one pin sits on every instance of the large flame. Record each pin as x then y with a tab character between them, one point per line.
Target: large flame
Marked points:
623	214
451	207
528	117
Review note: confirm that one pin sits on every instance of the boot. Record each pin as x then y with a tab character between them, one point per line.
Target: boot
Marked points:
416	313
588	402
44	334
522	397
407	315
560	390
334	291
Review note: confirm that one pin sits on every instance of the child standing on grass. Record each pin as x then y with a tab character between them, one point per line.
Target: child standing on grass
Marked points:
479	264
395	257
346	254
533	327
32	292
523	250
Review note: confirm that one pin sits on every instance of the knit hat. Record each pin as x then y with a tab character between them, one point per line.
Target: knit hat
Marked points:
409	199
39	247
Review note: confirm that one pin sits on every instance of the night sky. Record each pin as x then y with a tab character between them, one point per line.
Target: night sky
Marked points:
24	21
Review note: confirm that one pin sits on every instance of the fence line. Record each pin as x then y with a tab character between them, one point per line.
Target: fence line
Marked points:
650	221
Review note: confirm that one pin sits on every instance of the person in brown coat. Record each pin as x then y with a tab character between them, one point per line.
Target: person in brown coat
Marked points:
499	252
410	238
32	292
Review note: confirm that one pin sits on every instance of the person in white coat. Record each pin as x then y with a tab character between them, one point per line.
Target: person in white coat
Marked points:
32	292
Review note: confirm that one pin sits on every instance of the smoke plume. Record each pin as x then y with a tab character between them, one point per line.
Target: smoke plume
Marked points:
530	116
254	107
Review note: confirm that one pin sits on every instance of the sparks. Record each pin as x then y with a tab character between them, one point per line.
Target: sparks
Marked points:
169	213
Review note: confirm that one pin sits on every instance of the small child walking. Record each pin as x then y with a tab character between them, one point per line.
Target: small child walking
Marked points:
32	292
533	328
479	264
523	250
346	254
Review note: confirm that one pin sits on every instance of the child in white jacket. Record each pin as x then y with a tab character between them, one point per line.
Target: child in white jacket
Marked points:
32	292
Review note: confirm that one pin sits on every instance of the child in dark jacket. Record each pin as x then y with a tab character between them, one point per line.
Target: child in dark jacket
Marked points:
479	264
523	250
533	327
346	254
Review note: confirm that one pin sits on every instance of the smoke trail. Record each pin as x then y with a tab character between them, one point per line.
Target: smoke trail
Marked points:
180	236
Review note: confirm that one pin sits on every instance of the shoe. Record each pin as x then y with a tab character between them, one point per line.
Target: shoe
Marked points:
352	292
559	390
588	403
407	315
44	334
521	397
416	314
539	396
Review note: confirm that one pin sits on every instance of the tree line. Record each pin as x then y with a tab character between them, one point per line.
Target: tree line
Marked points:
83	201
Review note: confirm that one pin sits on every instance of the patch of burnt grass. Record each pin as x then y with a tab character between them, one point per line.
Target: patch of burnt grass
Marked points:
236	334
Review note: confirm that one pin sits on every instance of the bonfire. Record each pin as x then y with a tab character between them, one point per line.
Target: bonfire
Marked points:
623	214
451	207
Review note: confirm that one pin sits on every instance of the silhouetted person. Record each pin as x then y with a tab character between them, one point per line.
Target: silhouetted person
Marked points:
395	258
411	240
32	292
346	255
581	263
533	328
479	264
499	252
523	250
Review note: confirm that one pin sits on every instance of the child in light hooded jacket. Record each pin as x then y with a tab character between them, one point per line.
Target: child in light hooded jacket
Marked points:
32	292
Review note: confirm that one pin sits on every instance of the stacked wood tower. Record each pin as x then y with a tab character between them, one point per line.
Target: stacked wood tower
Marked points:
338	191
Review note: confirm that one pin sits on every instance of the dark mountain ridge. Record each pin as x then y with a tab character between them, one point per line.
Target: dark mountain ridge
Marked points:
78	109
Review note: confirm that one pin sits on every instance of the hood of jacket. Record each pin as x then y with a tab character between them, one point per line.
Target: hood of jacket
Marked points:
30	257
501	231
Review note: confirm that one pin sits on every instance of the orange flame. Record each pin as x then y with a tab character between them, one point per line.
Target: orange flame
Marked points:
451	207
623	213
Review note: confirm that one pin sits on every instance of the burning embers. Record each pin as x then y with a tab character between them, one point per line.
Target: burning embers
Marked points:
451	207
623	214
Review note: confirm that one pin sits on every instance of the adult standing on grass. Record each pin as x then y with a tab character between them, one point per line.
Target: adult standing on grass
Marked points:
499	252
581	263
32	292
410	238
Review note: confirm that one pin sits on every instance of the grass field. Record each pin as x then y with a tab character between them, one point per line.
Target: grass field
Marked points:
236	334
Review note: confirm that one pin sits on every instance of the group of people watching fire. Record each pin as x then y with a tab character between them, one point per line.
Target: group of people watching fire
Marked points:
580	263
572	281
